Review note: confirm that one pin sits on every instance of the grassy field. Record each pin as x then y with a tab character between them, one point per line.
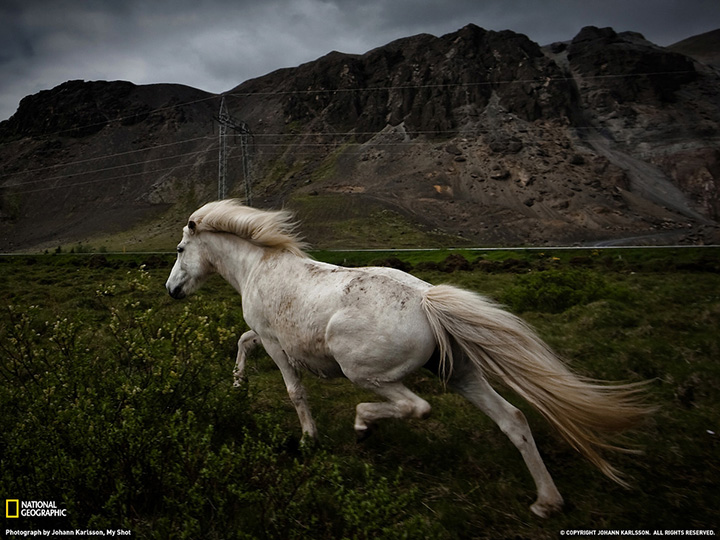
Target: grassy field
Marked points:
117	403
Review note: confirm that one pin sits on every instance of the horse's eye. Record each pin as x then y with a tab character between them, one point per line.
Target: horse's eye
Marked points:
180	249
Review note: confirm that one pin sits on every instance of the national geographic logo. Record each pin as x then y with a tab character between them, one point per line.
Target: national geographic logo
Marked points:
15	508
12	508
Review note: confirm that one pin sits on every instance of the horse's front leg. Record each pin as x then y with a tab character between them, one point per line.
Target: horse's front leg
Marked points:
247	342
295	389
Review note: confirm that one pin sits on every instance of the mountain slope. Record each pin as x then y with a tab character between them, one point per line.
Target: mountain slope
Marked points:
88	157
704	48
475	137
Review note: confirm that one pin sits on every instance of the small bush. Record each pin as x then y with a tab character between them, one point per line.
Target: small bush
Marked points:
455	262
554	291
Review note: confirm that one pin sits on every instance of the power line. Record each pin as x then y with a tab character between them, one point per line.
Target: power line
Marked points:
108	156
460	132
106	169
97	180
299	152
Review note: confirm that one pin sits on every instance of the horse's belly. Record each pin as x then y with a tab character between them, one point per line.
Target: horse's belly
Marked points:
326	368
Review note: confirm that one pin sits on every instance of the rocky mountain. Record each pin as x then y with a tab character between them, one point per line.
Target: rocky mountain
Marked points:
704	48
472	138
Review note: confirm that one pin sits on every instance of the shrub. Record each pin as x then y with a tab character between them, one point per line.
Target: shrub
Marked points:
554	291
455	262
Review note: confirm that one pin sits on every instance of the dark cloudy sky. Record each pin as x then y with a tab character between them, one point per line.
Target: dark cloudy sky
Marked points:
215	45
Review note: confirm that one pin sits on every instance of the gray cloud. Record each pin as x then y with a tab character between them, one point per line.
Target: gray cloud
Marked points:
217	44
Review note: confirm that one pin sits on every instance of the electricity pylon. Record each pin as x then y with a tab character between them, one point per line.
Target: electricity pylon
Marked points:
241	128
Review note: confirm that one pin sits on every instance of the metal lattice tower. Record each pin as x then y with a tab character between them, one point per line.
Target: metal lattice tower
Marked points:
223	118
241	128
245	148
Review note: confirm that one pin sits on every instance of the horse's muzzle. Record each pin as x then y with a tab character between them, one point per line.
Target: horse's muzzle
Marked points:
177	292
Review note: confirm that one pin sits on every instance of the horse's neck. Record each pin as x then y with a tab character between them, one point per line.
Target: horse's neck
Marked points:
239	262
233	258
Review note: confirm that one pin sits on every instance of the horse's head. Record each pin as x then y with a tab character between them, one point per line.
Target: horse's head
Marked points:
191	267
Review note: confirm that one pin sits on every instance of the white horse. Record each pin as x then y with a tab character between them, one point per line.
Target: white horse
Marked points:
377	325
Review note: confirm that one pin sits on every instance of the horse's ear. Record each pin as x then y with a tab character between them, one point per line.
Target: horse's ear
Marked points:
192	226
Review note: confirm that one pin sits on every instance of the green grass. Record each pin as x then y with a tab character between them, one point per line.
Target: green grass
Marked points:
336	221
118	404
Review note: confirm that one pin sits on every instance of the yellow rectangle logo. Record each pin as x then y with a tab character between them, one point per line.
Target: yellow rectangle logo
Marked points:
12	508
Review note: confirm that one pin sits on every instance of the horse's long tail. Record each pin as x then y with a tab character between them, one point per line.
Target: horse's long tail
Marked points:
502	346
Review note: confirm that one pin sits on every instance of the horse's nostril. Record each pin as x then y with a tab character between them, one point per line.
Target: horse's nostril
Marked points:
177	293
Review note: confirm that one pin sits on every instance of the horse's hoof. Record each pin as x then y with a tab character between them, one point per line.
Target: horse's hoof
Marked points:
308	442
546	509
364	433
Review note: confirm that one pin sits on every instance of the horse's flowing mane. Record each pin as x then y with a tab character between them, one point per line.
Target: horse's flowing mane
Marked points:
273	229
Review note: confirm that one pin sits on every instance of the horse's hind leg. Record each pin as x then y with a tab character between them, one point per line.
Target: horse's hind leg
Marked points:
512	422
247	342
402	403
